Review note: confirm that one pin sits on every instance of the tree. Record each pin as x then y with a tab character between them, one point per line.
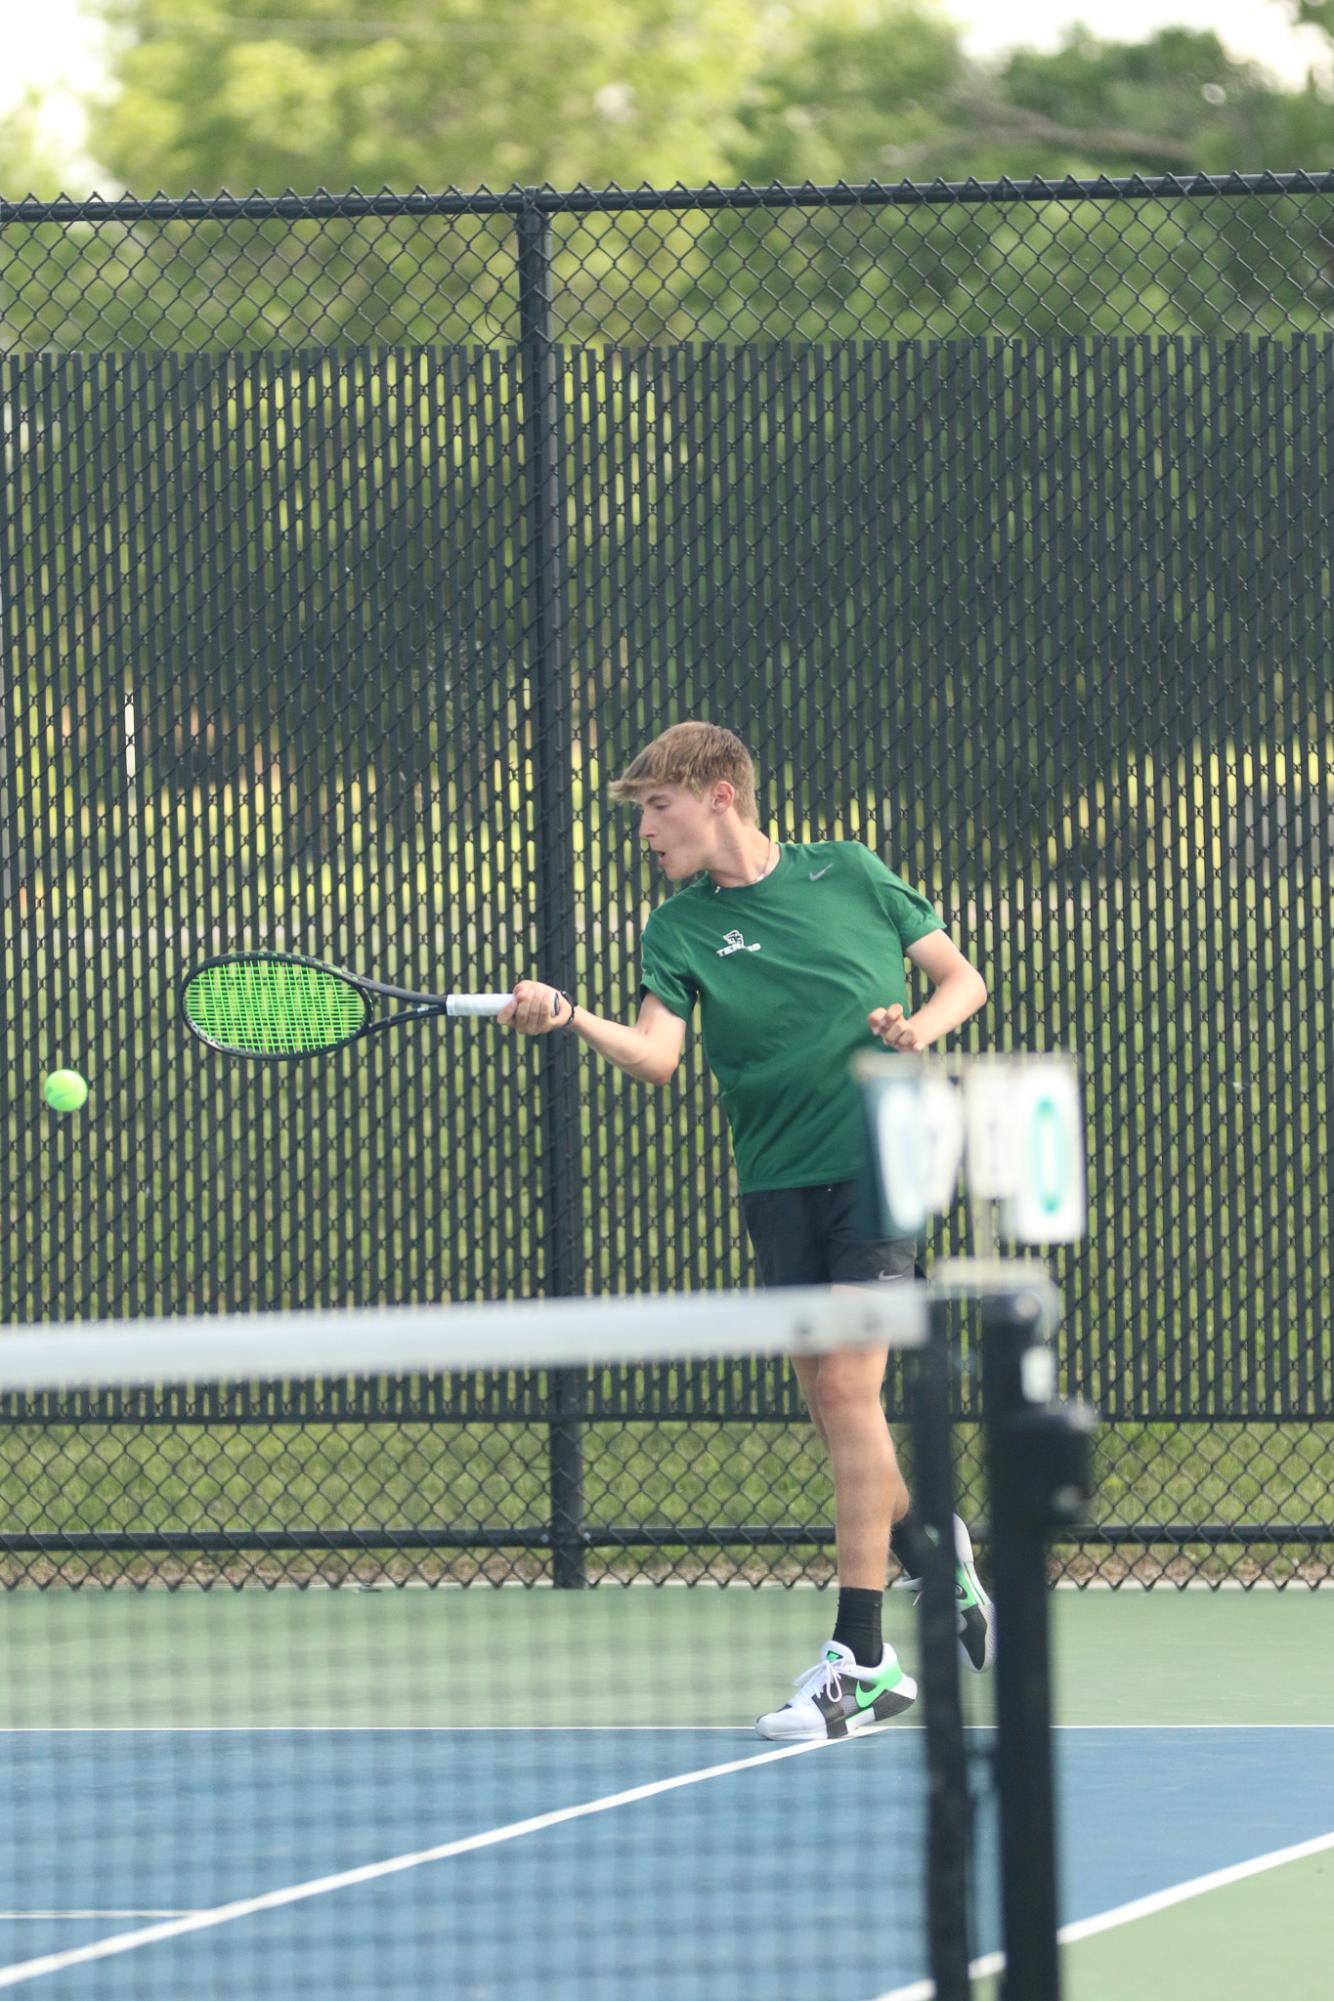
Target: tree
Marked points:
408	95
30	162
850	97
1178	102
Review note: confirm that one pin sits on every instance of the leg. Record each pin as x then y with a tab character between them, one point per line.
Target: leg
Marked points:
787	1228
859	1257
870	1495
865	1465
807	1369
869	1491
857	1683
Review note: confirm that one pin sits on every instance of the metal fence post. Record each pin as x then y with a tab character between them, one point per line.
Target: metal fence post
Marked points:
550	712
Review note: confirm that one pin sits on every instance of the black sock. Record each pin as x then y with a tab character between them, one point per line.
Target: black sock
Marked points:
858	1624
908	1543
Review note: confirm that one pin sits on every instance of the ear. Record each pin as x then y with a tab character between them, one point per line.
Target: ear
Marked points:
724	796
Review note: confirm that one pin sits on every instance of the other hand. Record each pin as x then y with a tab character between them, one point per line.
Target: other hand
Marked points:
894	1028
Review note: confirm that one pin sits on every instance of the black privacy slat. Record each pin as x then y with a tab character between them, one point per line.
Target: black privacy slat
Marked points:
349	551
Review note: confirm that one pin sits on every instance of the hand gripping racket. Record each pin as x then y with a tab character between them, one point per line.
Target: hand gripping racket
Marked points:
273	1005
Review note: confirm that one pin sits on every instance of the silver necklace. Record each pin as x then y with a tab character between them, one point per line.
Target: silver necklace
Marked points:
771	863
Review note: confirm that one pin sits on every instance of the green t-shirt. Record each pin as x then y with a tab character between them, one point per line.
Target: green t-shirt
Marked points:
785	972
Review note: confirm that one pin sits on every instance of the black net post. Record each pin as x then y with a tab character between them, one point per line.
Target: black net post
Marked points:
1038	1457
949	1808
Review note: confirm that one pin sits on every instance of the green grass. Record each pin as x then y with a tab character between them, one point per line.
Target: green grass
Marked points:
320	1478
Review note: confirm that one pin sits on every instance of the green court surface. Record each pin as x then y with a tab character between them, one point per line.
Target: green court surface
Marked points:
1164	1656
414	1657
1266	1938
1252	1660
1121	1657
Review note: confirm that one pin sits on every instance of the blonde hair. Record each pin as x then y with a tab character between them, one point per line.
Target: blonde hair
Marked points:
693	755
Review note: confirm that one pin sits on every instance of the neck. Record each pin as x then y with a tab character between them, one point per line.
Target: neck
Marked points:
742	858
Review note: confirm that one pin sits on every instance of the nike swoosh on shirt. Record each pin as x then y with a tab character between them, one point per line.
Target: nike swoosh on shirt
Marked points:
816	873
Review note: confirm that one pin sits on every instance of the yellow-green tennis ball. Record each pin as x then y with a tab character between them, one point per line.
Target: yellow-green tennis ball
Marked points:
65	1091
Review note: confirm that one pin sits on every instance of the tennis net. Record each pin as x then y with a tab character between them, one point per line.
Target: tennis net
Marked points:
480	1793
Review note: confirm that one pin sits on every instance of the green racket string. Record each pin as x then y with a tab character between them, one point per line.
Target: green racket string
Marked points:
265	1007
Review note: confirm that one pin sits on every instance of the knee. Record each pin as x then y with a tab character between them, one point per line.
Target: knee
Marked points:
843	1392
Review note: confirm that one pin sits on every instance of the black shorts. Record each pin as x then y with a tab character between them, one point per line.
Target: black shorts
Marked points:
823	1235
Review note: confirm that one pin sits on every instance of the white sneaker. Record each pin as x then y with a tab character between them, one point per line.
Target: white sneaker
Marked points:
977	1630
837	1697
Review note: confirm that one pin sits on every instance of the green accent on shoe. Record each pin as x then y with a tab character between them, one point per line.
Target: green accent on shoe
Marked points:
964	1591
890	1677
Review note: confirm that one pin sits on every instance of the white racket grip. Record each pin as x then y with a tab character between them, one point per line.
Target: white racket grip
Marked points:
476	1004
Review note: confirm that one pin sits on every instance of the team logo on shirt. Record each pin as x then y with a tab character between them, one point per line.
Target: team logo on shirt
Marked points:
734	942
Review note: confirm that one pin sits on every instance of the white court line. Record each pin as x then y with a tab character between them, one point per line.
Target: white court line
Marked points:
925	1990
736	1729
1180	1893
1139	1907
370	1872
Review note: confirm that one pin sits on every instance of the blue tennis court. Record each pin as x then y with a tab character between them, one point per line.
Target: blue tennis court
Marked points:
459	1856
638	1895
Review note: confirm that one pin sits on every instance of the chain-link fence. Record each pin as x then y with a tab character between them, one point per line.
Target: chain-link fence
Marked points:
351	545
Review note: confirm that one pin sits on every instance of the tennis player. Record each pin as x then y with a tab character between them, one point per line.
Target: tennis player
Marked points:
794	955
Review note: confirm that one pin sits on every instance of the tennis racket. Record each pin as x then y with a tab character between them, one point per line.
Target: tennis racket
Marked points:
273	1005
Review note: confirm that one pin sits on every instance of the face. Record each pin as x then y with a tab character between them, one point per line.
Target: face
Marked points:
679	830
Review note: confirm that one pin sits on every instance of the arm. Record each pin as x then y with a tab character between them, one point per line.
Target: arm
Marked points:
959	991
648	1049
